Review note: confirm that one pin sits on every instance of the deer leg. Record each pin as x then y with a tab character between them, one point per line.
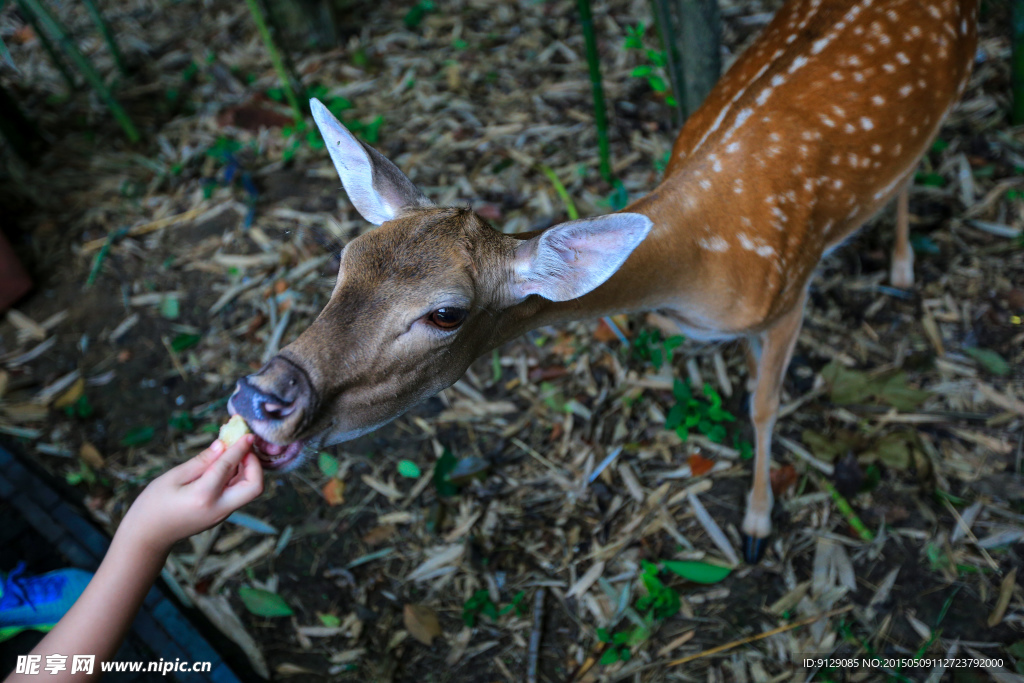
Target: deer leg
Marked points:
777	348
753	358
901	273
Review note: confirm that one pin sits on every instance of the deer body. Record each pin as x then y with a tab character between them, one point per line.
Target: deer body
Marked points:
814	128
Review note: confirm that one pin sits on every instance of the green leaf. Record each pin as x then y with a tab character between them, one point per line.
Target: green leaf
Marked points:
603	635
930	179
264	603
1016	651
185	341
415	15
371	130
329	620
181	420
923	244
657	83
895	392
675	416
892	450
846	386
170	308
698	572
610	656
619	197
828	448
409	469
138	436
990	360
642	71
445	464
328	464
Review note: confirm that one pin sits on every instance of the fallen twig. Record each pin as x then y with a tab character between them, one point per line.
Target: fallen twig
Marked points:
759	636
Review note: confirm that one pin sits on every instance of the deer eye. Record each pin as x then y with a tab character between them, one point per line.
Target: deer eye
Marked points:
448	318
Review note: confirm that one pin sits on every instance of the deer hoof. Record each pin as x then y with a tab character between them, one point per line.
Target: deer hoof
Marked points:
753	548
756	528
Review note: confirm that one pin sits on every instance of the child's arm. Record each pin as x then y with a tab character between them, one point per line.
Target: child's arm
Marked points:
184	501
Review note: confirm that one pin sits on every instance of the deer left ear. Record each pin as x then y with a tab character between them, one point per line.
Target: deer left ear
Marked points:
379	191
571	259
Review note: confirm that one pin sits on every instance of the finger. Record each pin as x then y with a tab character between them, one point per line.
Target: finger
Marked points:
246	486
221	471
192	469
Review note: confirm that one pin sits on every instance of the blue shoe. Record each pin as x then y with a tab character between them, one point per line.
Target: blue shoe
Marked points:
37	602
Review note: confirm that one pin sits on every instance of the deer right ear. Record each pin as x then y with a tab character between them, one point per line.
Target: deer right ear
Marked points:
571	259
379	191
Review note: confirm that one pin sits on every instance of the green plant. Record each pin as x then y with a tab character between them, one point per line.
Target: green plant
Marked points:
690	412
480	604
650	347
661	164
659	603
653	70
275	57
597	89
417	12
80	408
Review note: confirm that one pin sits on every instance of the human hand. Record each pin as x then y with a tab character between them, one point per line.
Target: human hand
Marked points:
195	495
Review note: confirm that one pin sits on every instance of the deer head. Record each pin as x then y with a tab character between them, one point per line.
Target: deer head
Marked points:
415	302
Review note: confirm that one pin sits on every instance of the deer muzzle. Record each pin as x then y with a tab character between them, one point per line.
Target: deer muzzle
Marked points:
275	402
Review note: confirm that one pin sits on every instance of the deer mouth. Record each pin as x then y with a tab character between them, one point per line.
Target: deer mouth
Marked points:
274	456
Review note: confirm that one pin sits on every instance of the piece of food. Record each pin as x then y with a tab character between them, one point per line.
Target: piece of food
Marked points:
233	430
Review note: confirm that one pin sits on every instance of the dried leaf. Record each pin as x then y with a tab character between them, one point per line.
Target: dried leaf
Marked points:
379	534
699	464
90	455
1005	593
334	492
421	622
783	478
74	392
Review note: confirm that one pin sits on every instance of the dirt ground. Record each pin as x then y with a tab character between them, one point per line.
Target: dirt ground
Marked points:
476	96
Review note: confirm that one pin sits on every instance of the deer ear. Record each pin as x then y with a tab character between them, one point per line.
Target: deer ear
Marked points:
378	190
571	259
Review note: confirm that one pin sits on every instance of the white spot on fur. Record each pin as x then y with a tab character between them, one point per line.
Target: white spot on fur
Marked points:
866	123
760	247
714	244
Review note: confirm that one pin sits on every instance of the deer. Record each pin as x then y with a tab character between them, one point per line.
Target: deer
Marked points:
814	129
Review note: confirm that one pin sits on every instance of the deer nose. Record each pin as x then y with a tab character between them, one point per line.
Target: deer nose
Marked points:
273	394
